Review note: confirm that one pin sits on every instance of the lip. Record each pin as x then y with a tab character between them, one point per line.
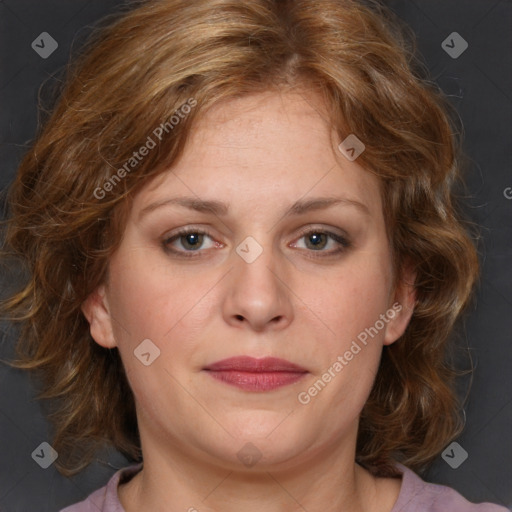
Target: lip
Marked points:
251	374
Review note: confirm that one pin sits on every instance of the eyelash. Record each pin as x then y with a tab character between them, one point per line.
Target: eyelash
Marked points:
341	240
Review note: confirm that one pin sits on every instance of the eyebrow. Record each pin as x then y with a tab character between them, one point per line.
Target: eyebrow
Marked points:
221	209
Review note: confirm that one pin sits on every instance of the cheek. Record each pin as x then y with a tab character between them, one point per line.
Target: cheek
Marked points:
140	294
352	309
356	296
147	301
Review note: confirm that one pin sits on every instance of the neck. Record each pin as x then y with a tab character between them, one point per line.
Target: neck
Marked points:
326	480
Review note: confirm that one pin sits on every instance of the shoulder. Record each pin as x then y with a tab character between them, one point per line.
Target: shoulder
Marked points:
106	499
416	495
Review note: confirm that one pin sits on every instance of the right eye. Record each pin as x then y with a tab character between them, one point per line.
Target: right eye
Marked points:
191	241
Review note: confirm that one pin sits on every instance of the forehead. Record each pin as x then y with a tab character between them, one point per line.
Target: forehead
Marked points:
267	148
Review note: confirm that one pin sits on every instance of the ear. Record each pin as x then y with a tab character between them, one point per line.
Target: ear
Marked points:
95	309
402	307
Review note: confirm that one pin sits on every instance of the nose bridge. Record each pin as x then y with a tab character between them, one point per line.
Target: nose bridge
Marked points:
255	261
256	292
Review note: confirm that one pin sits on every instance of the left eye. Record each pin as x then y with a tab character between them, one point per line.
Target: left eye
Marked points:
192	241
318	240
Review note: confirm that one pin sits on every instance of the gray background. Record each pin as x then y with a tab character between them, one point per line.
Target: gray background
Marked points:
479	83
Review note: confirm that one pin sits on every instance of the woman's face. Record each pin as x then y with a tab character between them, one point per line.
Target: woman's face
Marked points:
287	257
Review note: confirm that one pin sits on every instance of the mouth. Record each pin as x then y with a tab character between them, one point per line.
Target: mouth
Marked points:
252	374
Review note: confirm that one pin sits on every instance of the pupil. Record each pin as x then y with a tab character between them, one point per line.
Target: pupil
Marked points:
192	239
316	239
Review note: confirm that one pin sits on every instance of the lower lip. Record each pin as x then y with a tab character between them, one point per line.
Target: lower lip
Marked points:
257	381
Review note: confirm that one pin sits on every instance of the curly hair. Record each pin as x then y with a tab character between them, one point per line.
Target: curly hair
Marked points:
64	220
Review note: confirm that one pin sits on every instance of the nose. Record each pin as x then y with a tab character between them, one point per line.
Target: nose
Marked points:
258	294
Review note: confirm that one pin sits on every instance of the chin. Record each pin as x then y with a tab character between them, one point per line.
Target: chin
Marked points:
257	424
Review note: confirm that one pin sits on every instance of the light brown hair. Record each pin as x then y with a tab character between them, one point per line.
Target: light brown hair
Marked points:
133	76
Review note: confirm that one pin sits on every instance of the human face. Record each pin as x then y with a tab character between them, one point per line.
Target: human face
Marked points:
264	280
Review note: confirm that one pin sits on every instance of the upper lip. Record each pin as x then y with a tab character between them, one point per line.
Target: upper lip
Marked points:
251	364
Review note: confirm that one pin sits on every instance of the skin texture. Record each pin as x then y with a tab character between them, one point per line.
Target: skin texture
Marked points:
297	301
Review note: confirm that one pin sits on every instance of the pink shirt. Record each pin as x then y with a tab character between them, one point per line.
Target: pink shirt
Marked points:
415	495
